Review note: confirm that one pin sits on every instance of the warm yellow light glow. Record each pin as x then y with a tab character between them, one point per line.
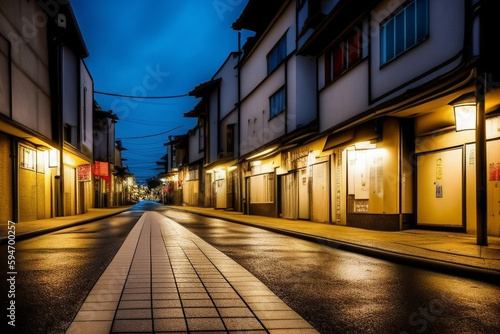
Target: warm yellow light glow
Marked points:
465	116
364	145
269	150
53	158
256	163
69	160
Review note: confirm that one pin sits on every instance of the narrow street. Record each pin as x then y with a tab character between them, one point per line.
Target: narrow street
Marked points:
334	290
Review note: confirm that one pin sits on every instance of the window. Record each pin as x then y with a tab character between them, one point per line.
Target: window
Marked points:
174	157
277	102
307	11
344	55
262	188
27	158
193	173
404	30
201	134
277	55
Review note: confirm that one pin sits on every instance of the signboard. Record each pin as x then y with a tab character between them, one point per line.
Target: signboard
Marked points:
83	173
100	169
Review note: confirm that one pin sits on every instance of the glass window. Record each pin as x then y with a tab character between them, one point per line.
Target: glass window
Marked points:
404	30
277	102
262	188
354	47
344	55
277	55
338	60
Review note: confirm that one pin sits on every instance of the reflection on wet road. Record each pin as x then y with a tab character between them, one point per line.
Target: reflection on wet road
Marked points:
343	292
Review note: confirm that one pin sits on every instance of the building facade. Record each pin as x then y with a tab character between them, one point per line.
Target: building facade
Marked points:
352	113
278	113
45	112
219	96
387	86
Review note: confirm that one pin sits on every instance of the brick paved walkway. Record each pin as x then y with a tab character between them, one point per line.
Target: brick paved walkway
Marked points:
165	279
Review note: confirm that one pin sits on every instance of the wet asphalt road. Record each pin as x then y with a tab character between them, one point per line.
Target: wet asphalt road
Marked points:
344	292
336	291
56	271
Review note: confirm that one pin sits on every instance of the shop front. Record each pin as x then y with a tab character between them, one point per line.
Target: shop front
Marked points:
446	179
303	183
371	185
222	187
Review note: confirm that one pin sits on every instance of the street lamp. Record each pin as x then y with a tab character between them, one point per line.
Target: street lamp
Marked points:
464	109
470	115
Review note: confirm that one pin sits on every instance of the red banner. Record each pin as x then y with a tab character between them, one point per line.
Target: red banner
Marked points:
101	169
83	172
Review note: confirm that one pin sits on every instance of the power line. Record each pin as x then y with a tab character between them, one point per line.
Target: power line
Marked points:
142	97
156	134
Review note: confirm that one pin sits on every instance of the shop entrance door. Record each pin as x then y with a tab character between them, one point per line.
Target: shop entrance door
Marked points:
320	199
303	194
440	188
289	196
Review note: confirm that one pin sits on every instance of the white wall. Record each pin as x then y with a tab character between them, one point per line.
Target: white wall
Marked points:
211	147
194	147
446	38
29	66
86	104
345	98
256	127
228	85
254	70
70	71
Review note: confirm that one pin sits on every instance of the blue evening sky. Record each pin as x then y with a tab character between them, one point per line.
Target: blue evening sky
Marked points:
154	48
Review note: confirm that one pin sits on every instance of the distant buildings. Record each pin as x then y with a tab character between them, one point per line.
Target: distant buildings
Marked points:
344	112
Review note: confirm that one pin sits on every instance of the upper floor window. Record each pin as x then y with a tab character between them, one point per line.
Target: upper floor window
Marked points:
403	30
174	157
277	102
307	11
201	134
344	55
277	55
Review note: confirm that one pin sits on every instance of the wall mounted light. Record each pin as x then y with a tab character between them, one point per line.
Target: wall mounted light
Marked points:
464	109
53	158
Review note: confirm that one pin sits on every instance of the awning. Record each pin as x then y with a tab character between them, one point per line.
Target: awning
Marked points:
369	131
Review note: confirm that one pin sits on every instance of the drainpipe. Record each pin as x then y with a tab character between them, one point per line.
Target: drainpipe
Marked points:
486	23
240	173
481	206
15	180
60	113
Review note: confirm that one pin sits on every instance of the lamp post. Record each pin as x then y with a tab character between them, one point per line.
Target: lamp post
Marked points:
469	111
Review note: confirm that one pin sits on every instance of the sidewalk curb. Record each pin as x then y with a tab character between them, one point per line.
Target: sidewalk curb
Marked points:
31	234
458	269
